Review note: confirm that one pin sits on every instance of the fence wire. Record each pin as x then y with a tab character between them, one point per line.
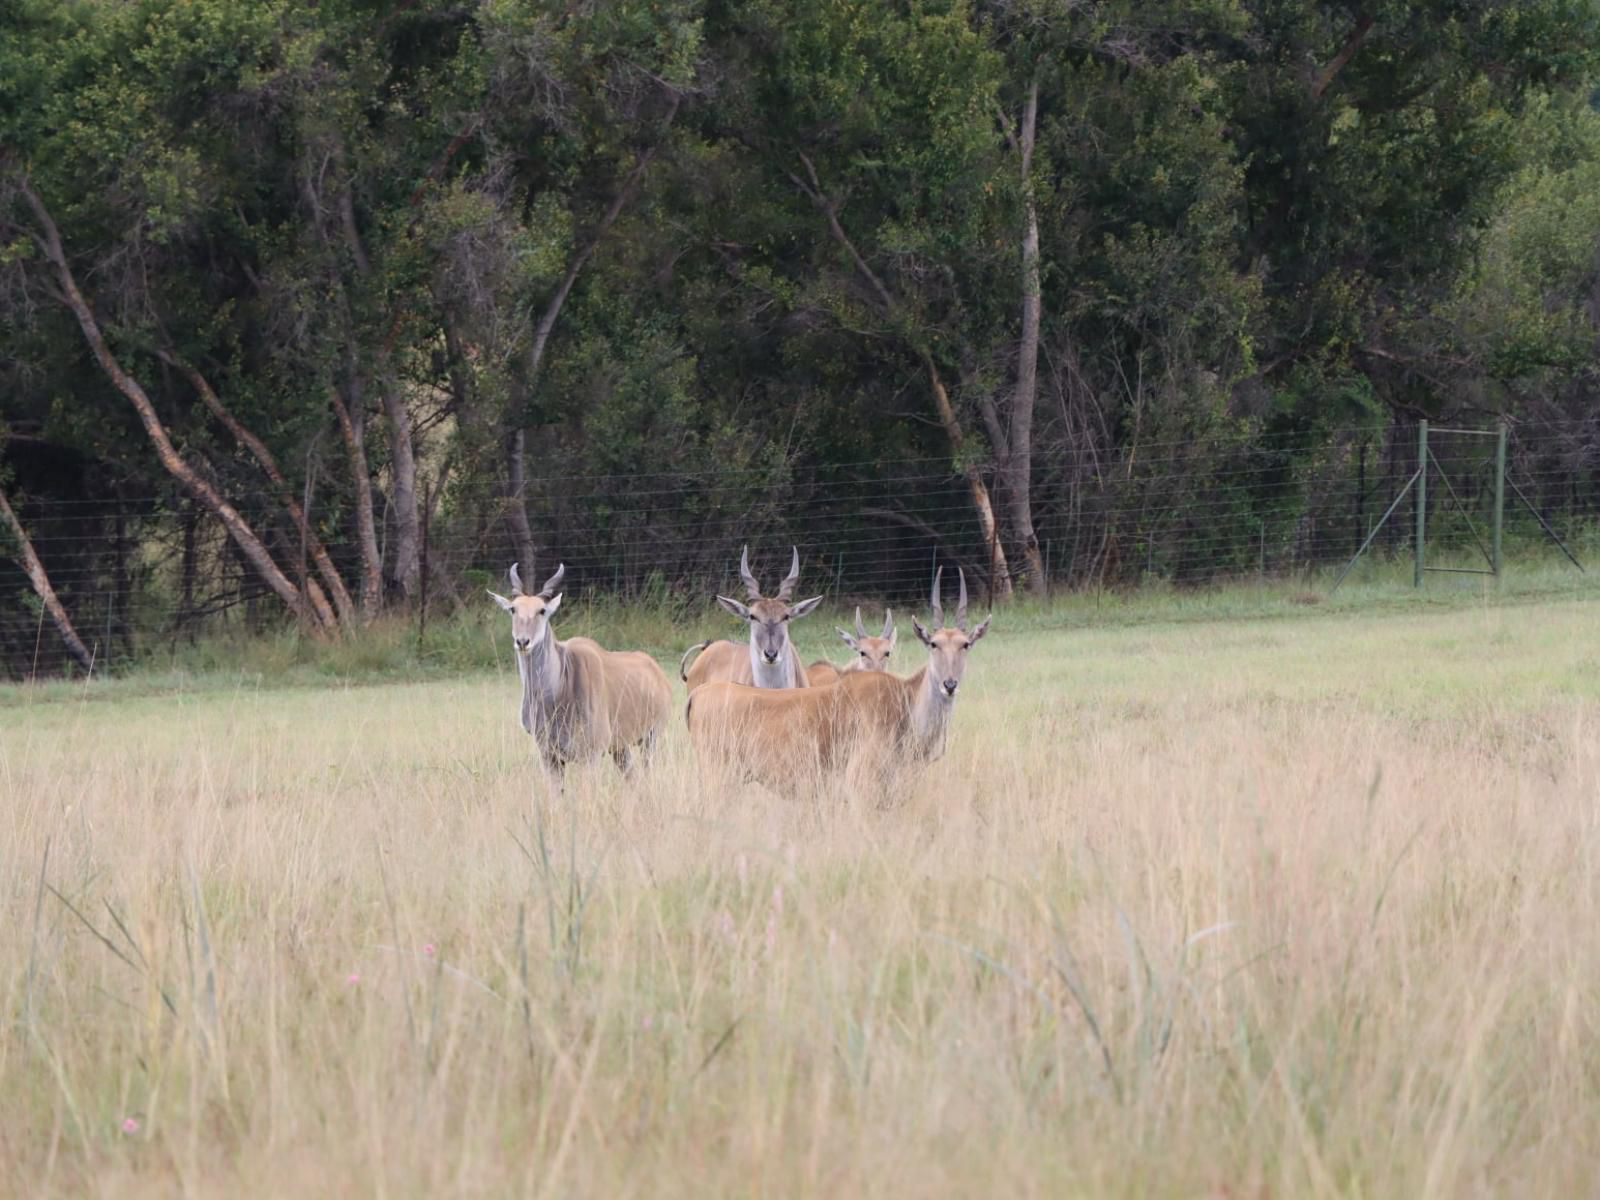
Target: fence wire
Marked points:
139	573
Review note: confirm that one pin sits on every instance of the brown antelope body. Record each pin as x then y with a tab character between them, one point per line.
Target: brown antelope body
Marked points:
580	700
769	659
782	738
871	653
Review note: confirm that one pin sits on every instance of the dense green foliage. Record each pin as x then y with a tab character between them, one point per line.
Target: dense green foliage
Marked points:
630	283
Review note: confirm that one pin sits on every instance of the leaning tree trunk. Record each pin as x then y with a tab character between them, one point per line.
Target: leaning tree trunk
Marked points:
352	426
319	616
999	567
1017	471
41	586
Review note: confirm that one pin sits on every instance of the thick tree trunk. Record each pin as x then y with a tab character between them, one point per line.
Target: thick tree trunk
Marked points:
1018	467
405	564
352	426
269	466
240	530
41	586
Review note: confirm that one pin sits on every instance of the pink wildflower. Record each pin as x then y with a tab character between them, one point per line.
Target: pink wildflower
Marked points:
353	978
130	1125
429	949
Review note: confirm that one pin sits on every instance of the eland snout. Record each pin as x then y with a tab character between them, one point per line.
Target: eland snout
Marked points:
950	686
770	655
523	644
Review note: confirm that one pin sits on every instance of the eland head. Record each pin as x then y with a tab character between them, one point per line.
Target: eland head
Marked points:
872	653
948	644
530	615
769	616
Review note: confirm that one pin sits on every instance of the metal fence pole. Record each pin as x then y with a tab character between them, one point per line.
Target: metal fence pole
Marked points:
1420	549
1499	494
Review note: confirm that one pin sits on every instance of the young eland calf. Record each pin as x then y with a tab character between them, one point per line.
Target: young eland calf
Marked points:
872	653
580	700
771	660
781	738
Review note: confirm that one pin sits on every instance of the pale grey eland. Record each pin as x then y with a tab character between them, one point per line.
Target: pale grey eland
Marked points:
769	660
580	700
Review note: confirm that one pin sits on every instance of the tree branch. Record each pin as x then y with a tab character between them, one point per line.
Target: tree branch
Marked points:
269	466
1325	78
238	528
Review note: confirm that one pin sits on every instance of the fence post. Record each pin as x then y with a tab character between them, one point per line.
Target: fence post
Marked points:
1422	503
1499	494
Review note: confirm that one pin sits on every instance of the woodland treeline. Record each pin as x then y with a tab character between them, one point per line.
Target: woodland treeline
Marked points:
330	305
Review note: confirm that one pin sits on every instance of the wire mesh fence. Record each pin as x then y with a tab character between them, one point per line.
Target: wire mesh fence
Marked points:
138	573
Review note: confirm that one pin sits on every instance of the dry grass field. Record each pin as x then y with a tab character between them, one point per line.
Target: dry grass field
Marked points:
1278	908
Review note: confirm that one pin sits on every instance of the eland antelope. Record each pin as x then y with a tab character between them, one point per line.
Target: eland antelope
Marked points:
770	660
580	700
872	653
782	737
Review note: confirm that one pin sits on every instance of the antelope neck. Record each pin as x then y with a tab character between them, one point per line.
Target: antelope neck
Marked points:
930	706
541	669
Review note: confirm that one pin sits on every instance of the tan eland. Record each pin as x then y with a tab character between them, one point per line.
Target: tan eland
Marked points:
784	738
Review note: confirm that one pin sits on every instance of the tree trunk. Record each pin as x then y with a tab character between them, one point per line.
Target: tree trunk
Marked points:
269	466
1017	471
352	425
41	586
405	563
1328	74
240	530
1000	570
191	522
517	499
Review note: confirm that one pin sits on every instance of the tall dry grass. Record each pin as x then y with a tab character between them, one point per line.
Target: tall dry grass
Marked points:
1285	910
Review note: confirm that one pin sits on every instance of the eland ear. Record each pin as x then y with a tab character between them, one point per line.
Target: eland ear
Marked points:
734	607
552	604
500	600
922	634
982	629
796	611
848	638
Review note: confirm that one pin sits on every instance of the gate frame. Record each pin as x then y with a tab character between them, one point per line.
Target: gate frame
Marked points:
1419	481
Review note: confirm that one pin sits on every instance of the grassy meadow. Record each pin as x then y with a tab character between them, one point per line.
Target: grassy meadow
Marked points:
1306	904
